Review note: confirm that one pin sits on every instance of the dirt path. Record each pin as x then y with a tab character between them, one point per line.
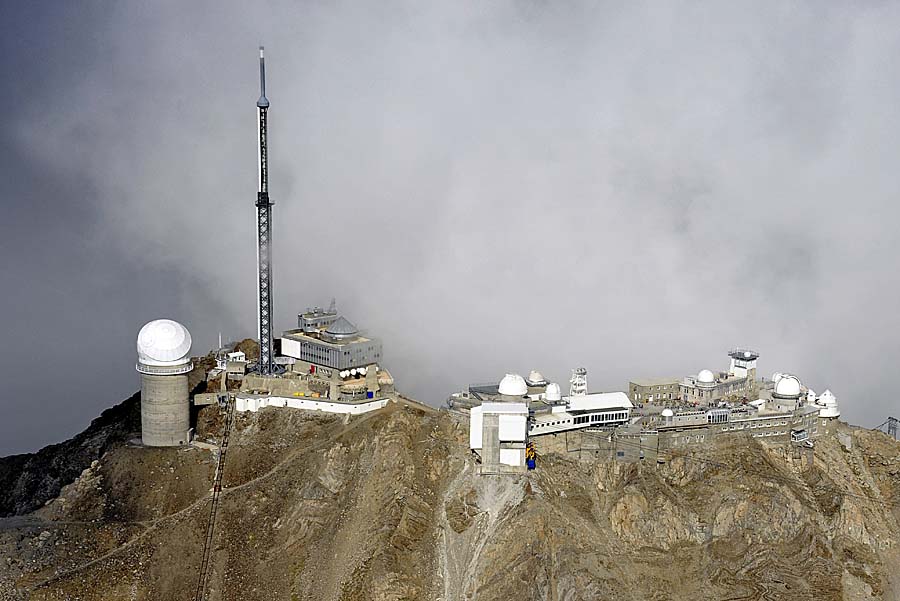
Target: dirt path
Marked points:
154	525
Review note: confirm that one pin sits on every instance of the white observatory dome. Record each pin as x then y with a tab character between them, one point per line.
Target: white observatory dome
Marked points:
513	385
554	393
829	405
787	386
667	413
164	342
706	377
536	379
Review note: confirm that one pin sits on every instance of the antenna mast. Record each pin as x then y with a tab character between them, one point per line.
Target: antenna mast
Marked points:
264	229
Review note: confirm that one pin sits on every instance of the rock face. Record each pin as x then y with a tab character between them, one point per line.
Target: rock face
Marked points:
28	481
387	506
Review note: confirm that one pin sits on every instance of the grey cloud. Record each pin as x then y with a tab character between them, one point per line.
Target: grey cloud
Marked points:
492	187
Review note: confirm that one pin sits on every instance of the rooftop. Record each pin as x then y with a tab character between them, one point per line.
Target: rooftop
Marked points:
655	381
301	336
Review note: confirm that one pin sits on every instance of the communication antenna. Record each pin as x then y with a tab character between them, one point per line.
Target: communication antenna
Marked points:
578	383
264	229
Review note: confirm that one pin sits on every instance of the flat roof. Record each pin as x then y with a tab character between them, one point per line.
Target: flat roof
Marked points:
302	336
654	381
515	408
598	401
540	418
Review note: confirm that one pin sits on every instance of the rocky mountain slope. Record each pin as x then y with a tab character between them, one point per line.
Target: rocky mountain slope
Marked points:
388	506
29	480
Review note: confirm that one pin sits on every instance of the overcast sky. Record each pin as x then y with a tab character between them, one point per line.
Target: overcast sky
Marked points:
486	186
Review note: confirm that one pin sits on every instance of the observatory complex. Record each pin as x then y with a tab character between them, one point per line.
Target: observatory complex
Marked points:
328	365
163	348
504	417
704	388
656	417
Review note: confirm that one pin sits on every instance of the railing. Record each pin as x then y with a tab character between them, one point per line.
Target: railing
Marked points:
163	370
203	577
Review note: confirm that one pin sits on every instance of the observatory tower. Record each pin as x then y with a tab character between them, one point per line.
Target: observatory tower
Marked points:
264	229
163	349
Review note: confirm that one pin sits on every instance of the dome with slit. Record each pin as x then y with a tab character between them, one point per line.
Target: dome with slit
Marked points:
787	386
513	385
829	405
164	342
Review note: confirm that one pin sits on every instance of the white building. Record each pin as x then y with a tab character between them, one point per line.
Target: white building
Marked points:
498	433
502	417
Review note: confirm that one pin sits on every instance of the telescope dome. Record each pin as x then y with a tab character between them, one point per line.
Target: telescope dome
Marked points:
513	385
164	342
706	377
787	386
553	393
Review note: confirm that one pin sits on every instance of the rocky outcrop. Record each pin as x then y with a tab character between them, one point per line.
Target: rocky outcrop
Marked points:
28	481
388	506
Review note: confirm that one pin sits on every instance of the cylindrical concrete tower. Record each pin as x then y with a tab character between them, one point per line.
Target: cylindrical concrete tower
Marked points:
163	349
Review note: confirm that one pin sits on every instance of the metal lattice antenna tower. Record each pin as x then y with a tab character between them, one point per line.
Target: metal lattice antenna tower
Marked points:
892	423
578	383
264	229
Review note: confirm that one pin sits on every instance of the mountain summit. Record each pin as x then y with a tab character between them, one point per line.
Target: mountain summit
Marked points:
388	505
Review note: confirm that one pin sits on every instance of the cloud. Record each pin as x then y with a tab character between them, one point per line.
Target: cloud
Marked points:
495	187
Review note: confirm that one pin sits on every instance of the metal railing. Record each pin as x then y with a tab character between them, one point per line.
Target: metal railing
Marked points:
203	578
161	370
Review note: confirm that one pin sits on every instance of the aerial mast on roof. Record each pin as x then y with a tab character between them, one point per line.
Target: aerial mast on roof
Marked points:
264	230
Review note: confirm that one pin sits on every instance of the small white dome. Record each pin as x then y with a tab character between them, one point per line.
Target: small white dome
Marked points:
706	377
536	379
667	412
827	398
787	386
164	342
513	385
554	393
829	405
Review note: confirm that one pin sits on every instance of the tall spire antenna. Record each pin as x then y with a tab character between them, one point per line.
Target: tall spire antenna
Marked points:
264	229
263	102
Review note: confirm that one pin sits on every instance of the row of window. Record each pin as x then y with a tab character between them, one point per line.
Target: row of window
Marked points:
592	418
560	422
755	425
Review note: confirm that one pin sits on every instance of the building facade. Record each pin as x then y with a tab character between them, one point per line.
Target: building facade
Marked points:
661	391
704	389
